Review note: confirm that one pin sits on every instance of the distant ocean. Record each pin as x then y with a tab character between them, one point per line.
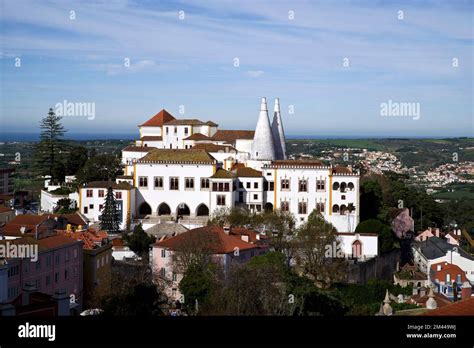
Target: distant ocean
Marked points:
17	136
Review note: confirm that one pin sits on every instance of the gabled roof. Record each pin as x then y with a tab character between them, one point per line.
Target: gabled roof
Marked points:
247	172
177	156
152	138
233	135
220	242
434	247
341	170
197	136
447	268
189	122
4	209
159	119
222	174
209	147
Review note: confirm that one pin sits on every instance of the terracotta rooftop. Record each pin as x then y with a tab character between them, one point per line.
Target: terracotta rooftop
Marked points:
56	242
152	138
133	148
92	239
208	147
159	119
221	243
177	156
222	174
4	209
197	136
247	172
297	163
233	135
461	308
106	184
189	122
342	170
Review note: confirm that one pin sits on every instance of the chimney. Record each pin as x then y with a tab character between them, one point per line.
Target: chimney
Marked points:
278	132
466	291
263	146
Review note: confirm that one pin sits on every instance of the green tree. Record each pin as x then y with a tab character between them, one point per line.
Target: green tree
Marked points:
110	219
47	155
65	206
76	159
387	240
139	241
99	168
198	283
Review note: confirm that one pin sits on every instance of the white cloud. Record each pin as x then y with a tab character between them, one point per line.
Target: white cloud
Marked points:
254	73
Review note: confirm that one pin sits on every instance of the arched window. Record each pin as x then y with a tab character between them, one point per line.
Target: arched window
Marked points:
335	186
335	208
343	187
164	209
357	249
202	210
350	186
343	209
183	210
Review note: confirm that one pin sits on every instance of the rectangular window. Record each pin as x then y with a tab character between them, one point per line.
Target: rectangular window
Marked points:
255	196
66	274
91	206
101	206
285	206
189	183
320	185
56	277
67	256
255	185
56	258
163	253
158	182
204	183
303	185
143	181
241	197
98	263
48	260
48	280
185	130
89	193
75	253
302	209
118	195
174	183
285	184
268	186
220	200
226	187
175	130
101	193
241	185
248	185
86	210
320	207
163	271
175	277
167	131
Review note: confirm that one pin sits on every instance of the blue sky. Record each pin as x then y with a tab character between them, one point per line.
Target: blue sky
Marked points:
190	62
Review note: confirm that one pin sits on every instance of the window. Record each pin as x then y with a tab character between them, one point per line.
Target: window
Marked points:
174	183
302	208
335	186
75	253
343	197
255	185
158	182
220	200
143	181
66	274
167	131
91	206
175	130
248	185
189	183
163	253
89	193
285	206
320	207
448	278
101	193
118	195
185	130
350	186
101	206
343	187
303	185
241	185
98	264
220	186
86	210
204	184
241	197
255	196
67	256
15	270
163	272
48	280
175	277
48	260
75	271
56	277
285	184
226	187
38	264
320	185
56	259
269	186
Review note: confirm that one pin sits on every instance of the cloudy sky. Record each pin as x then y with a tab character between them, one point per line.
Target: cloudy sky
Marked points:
331	62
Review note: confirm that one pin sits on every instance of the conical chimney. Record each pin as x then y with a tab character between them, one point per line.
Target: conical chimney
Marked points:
278	132
262	147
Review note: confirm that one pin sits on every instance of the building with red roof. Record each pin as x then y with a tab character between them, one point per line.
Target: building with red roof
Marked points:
448	279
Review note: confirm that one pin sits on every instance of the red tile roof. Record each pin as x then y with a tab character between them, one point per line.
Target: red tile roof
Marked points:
233	135
247	172
197	136
159	119
222	243
461	308
91	238
133	148
152	138
5	209
208	147
56	242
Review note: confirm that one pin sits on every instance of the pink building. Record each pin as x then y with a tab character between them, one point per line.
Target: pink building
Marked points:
230	245
59	267
428	233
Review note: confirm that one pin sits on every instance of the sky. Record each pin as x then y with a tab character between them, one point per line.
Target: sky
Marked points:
333	64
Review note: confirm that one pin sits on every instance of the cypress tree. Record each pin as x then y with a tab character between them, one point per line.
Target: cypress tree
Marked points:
109	219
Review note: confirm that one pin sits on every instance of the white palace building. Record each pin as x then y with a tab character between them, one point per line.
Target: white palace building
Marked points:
189	168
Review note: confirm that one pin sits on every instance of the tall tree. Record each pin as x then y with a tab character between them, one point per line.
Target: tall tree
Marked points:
110	220
139	241
99	168
76	160
48	151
